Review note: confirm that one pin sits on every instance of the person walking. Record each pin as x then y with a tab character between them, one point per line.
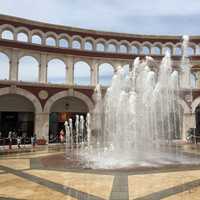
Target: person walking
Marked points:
18	142
33	140
10	139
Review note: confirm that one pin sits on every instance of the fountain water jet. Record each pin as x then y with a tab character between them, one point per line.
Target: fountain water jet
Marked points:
139	118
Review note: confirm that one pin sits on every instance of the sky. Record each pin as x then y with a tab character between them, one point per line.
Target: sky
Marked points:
171	17
132	16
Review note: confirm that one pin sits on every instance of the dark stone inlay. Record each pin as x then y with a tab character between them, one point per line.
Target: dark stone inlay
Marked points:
120	188
171	191
54	186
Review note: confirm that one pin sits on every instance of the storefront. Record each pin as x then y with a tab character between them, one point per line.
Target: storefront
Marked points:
16	115
61	111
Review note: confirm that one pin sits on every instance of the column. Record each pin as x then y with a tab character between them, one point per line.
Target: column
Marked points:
13	75
70	71
198	79
188	122
94	73
117	65
43	69
42	126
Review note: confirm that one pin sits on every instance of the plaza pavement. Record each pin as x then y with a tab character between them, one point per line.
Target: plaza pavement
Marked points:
42	174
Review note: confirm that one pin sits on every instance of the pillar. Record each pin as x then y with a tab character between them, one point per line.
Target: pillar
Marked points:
94	73
188	122
43	69
42	126
198	79
70	71
14	66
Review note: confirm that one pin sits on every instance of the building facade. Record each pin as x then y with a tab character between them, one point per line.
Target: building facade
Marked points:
40	106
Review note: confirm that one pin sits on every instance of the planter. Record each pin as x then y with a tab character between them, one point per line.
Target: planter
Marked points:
41	141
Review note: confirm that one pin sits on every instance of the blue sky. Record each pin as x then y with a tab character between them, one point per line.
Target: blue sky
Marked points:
133	16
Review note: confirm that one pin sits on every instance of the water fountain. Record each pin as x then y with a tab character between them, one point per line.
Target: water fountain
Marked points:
139	118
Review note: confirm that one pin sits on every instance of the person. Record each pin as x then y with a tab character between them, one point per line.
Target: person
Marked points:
62	136
33	140
10	139
18	142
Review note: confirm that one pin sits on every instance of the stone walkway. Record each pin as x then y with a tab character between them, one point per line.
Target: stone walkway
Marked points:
38	175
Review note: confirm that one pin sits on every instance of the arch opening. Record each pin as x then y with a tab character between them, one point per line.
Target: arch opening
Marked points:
36	39
64	109
16	116
22	37
106	72
7	34
82	73
50	41
63	43
100	47
56	71
112	48
88	46
4	66
28	69
76	44
146	50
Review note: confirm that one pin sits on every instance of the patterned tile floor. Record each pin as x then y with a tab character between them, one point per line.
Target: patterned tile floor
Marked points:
43	175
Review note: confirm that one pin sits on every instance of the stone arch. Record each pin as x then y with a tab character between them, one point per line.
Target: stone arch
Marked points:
185	106
158	46
83	60
24	30
52	57
7	27
195	103
191	49
113	41
89	40
178	49
146	48
68	93
112	47
135	47
169	45
64	36
34	55
8	53
78	38
53	37
136	43
7	33
38	32
122	44
100	41
67	38
32	98
51	34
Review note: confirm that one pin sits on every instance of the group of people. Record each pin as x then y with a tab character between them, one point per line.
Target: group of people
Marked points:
13	136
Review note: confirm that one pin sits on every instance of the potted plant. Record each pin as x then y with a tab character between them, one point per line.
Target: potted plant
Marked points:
41	141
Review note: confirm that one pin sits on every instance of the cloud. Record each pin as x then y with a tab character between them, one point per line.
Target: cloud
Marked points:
144	16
